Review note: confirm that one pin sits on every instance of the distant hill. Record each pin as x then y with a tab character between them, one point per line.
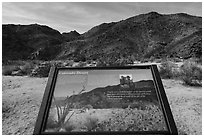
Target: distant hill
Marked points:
28	41
98	97
142	36
70	36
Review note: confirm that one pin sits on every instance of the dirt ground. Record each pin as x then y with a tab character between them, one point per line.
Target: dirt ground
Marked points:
21	99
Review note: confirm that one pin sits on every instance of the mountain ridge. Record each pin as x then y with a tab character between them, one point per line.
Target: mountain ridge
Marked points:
149	31
99	98
136	38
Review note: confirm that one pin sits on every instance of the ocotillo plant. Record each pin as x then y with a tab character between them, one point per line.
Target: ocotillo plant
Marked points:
64	110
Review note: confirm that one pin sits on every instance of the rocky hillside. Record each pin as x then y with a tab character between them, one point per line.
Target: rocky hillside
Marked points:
70	36
142	36
101	97
30	42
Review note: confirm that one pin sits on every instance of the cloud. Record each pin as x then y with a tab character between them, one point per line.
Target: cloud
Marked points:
67	16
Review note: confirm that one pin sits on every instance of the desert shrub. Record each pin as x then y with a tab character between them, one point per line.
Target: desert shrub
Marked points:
51	122
158	60
145	60
91	123
176	59
101	63
7	70
152	59
21	67
199	60
134	120
89	106
191	73
7	108
137	105
81	64
63	111
27	68
168	70
14	62
114	62
69	127
41	70
124	106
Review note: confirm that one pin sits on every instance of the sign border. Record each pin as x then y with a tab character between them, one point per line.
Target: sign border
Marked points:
46	102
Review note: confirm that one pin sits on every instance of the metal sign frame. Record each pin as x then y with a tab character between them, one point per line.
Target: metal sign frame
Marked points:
46	102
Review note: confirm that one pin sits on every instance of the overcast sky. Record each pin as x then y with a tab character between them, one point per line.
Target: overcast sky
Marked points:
83	16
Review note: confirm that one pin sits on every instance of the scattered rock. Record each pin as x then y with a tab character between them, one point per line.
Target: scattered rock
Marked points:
17	73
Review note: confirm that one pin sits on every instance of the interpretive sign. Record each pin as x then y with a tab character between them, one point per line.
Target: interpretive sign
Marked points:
105	100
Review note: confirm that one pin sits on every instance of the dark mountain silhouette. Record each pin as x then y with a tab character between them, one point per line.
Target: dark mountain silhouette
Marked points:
142	36
30	42
98	97
70	36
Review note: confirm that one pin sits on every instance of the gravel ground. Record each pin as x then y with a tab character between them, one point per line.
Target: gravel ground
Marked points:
186	106
21	99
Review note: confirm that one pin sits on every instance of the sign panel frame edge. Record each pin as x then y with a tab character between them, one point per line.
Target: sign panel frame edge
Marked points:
46	102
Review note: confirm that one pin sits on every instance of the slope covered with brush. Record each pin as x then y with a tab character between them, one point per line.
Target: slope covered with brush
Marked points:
141	36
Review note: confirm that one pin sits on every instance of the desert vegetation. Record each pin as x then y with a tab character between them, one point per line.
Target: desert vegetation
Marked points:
38	68
19	68
62	110
148	119
113	119
189	71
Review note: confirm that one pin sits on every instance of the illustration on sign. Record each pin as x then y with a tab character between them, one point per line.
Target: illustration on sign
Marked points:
101	101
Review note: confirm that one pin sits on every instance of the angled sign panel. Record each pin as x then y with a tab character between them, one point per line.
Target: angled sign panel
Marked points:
108	100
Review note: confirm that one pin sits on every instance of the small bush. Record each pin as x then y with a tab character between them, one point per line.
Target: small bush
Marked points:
14	62
41	70
150	119
27	68
191	73
51	123
91	123
69	127
7	70
145	60
8	107
168	70
152	59
20	67
177	59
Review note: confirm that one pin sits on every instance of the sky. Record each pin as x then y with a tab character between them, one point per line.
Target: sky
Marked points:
67	83
69	16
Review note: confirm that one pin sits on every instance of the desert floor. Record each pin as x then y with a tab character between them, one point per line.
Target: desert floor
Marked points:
22	96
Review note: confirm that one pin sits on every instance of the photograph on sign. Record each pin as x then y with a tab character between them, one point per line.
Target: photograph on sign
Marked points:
105	101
